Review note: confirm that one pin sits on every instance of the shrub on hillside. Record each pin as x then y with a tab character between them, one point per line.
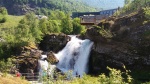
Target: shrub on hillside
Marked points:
5	66
147	12
115	77
3	20
3	11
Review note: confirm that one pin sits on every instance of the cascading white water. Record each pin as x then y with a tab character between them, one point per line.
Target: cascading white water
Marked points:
75	56
44	67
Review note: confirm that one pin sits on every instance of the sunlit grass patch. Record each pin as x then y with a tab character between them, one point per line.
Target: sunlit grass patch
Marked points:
11	21
8	79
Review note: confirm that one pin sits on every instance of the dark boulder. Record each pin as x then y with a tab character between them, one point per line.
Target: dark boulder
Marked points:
54	42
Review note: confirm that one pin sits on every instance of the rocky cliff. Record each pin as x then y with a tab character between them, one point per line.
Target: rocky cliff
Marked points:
129	45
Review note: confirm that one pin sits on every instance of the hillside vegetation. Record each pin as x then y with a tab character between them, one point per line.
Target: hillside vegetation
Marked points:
104	4
19	7
18	31
133	6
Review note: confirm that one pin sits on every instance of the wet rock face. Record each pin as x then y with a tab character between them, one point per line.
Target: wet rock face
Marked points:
129	46
115	57
51	58
54	42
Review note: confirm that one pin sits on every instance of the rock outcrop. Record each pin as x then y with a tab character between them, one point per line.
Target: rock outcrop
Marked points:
54	42
51	58
27	61
129	45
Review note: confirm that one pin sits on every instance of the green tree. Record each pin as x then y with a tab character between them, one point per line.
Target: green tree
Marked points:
77	27
66	25
6	65
28	29
43	25
44	11
57	15
53	26
22	32
56	26
147	12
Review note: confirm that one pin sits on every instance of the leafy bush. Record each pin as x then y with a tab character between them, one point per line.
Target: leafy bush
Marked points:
146	83
5	66
3	11
77	27
115	77
147	12
83	32
3	20
104	32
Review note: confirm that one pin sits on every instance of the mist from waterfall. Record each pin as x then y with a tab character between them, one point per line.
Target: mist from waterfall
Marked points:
74	57
44	67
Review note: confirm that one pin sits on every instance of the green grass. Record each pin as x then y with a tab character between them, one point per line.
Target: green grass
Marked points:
12	21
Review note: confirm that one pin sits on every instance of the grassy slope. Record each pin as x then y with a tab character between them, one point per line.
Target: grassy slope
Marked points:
12	21
12	80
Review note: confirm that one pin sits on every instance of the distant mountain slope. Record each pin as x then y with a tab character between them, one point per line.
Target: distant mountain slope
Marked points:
19	7
105	4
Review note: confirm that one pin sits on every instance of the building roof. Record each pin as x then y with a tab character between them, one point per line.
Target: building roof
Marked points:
103	12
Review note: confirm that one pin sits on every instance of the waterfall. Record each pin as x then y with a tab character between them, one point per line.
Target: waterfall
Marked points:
44	67
75	56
